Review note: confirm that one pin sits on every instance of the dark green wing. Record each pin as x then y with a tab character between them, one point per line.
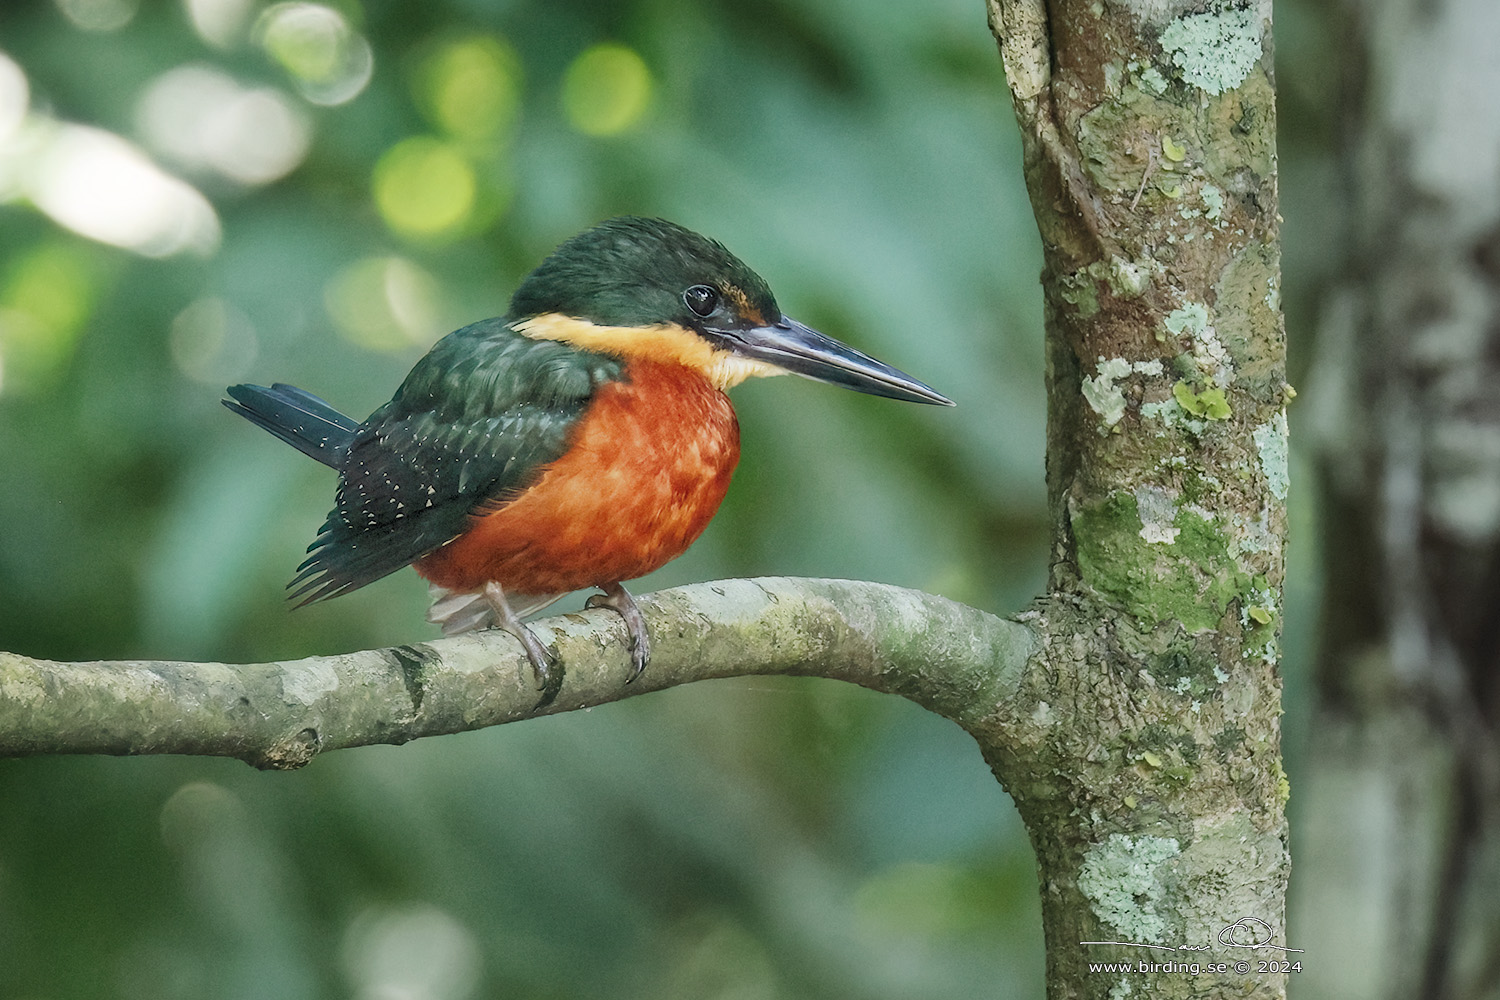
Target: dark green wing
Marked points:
474	422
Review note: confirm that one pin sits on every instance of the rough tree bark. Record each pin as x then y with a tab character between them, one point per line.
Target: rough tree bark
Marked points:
949	658
1132	711
1402	826
1150	773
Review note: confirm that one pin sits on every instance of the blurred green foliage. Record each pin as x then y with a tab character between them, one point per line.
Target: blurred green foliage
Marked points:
379	173
366	175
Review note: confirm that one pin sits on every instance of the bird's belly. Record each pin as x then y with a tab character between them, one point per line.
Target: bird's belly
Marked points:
646	470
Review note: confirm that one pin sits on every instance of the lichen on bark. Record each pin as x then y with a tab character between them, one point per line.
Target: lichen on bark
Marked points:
1153	143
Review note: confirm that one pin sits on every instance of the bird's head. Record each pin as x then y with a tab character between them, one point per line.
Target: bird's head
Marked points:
647	288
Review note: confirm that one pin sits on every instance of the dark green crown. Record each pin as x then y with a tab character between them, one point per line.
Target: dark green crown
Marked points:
631	271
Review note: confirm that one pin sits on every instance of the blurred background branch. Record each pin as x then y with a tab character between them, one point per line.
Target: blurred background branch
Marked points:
1402	820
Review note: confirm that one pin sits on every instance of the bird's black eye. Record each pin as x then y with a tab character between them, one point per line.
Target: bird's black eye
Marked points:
702	299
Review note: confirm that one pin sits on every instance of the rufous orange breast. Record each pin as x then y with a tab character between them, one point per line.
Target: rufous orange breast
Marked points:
647	467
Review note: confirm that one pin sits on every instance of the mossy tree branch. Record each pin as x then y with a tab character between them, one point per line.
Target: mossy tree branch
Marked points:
951	659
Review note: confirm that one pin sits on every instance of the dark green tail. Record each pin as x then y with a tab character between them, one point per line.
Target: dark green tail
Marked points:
299	418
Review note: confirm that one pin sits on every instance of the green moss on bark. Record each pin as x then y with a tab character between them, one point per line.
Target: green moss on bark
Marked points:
1191	580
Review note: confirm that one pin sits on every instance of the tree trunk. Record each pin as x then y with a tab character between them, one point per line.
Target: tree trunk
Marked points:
1402	822
1152	784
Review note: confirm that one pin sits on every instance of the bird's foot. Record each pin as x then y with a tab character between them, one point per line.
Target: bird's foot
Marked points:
549	673
617	597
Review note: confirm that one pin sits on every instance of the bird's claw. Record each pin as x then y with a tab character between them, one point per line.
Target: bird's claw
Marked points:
618	599
549	673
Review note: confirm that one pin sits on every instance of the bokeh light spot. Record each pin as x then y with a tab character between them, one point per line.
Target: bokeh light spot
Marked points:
213	342
97	184
219	22
471	88
414	952
195	811
203	119
327	60
15	96
99	15
606	90
424	187
45	301
385	304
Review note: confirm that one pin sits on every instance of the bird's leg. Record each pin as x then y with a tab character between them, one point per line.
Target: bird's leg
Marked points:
617	597
549	676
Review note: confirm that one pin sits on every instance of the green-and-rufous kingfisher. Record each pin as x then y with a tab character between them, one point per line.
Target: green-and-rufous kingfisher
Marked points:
581	440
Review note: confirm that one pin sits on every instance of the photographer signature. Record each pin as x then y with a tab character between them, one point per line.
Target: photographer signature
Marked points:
1246	932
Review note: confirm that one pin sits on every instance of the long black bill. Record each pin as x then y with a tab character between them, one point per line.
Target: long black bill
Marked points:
800	349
